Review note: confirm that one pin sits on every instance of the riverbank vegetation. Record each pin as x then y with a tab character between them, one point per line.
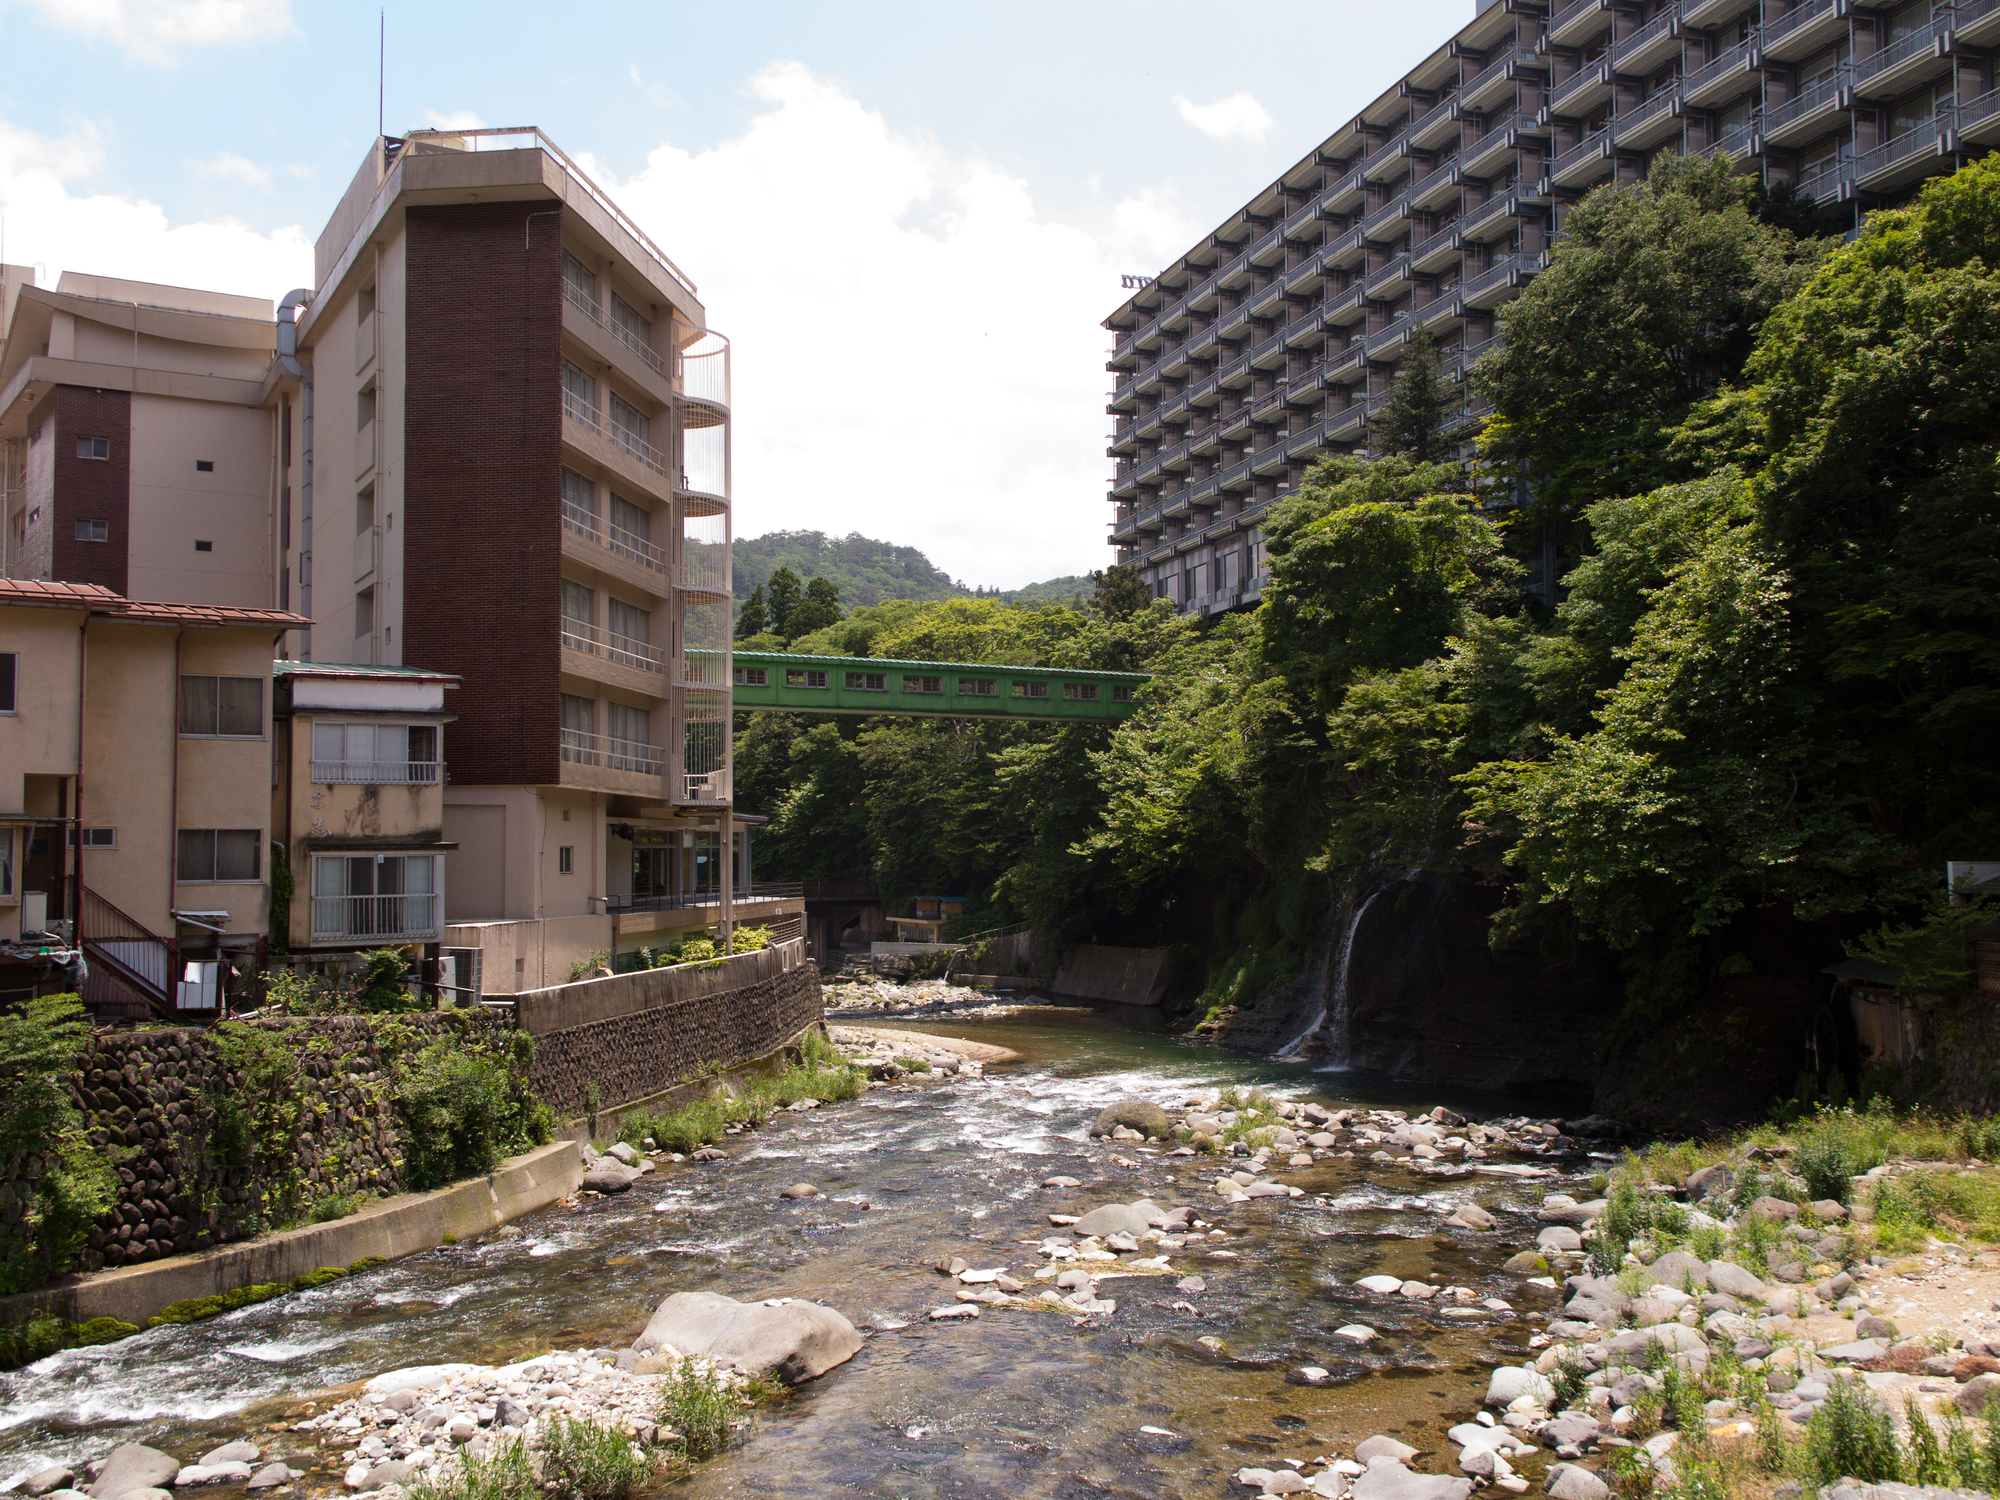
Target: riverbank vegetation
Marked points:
818	1072
1755	717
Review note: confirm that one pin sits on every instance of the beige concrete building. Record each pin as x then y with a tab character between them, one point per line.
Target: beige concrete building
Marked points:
135	767
491	442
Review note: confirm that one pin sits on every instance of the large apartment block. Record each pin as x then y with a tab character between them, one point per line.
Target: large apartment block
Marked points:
1267	344
491	444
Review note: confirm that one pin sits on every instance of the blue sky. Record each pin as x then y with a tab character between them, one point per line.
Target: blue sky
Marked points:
908	218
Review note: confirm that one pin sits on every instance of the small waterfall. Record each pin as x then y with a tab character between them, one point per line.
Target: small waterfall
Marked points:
1333	995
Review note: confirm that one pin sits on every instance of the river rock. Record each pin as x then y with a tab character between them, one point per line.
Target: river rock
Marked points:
1773	1210
1525	1263
1368	1449
1732	1280
1559	1238
58	1478
134	1466
1381	1286
1471	1216
270	1477
1570	1430
1483	1463
1679	1270
1134	1114
624	1154
1113	1218
1710	1182
1630	1346
793	1341
238	1452
961	1310
799	1190
363	1477
1510	1382
1356	1333
1387	1479
412	1377
609	1176
1971	1398
507	1412
1861	1349
1574	1482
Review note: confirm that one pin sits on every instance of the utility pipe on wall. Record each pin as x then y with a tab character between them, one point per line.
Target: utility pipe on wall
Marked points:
292	365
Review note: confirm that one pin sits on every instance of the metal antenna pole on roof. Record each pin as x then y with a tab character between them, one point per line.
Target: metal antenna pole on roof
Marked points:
381	68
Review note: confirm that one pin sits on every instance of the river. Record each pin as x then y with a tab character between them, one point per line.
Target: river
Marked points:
1017	1403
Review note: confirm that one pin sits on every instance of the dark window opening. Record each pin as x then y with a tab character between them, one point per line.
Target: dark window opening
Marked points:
204	466
204	546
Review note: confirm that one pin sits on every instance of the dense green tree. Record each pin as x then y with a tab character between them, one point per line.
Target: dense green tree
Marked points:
1416	418
752	619
783	595
818	609
1119	592
1651	300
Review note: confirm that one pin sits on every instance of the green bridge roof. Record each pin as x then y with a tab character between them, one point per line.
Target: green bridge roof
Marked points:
951	689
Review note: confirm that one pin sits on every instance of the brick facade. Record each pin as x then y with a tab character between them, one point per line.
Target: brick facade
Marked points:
483	427
91	489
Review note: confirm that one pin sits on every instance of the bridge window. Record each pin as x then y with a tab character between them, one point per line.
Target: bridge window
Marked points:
975	687
1122	693
1080	692
797	677
867	682
923	684
753	676
1031	690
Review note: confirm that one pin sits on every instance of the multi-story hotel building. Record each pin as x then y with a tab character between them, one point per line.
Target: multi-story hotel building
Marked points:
491	443
1267	344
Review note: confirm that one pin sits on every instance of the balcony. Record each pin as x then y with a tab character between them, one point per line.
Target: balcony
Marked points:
1589	157
1805	27
1803	117
1652	44
1715	79
395	918
1473	95
621	650
1500	277
1482	155
1391	278
1645	122
1445	109
1913	154
588	308
601	752
1895	67
586	416
376	772
1442	175
616	543
1578	22
1445	241
1576	93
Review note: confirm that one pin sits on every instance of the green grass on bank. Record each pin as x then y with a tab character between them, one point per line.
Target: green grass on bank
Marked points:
820	1073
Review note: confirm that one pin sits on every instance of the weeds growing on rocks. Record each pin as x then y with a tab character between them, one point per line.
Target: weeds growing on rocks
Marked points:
700	1408
584	1460
820	1073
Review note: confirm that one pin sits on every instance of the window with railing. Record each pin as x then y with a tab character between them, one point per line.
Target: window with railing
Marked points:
632	530
373	754
375	897
579	503
629	633
629	732
580	282
579	394
630	326
579	615
630	427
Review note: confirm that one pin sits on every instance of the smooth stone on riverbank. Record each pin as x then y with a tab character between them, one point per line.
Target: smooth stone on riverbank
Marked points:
414	1377
947	1314
1387	1479
58	1478
609	1176
362	1477
1381	1286
1369	1449
799	1190
793	1341
1134	1114
1471	1216
230	1453
1510	1382
1574	1482
1356	1333
1113	1218
134	1466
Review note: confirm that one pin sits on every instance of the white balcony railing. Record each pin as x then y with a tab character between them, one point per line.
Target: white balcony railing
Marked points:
594	311
614	539
595	640
584	414
581	749
371	917
376	772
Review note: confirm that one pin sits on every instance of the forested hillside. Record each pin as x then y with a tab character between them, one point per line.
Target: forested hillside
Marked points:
867	571
1762	714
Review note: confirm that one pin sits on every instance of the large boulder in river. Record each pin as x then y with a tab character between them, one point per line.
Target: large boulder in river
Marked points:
793	1340
1134	1114
1387	1479
134	1466
1114	1218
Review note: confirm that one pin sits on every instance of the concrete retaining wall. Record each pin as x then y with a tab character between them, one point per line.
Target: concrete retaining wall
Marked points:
562	1006
395	1227
1123	976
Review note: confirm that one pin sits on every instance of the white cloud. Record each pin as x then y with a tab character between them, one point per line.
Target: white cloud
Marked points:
1238	118
55	228
457	119
302	170
234	168
917	353
153	30
659	93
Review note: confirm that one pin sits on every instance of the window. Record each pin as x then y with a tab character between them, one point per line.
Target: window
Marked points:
753	676
579	280
374	754
975	687
923	684
229	706
95	838
579	726
1031	690
579	394
1080	692
634	520
579	498
364	613
93	447
204	466
867	682
93	531
804	678
633	328
630	731
204	546
375	896
628	422
628	620
565	859
6	861
215	855
1122	693
10	674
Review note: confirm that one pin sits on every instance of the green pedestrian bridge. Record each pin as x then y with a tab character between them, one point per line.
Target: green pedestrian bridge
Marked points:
943	689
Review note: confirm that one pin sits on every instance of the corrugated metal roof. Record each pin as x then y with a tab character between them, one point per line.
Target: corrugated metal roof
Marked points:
360	669
100	600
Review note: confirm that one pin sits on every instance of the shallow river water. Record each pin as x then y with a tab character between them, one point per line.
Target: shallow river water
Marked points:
1018	1403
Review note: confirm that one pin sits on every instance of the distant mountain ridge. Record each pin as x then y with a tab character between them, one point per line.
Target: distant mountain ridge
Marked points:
869	571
